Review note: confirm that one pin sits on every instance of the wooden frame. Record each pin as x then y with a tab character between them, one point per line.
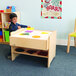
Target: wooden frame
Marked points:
49	45
4	17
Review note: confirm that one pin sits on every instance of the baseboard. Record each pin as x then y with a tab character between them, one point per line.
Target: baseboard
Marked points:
64	42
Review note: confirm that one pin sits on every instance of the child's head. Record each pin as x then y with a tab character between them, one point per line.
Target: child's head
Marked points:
13	18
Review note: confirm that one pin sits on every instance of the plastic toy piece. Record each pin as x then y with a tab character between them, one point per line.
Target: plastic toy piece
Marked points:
29	31
36	36
10	9
0	33
6	33
1	36
44	33
30	28
1	10
24	34
13	9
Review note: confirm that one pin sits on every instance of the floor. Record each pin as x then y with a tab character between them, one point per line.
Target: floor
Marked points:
63	65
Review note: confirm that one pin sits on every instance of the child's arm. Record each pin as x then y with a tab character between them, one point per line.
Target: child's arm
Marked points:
10	29
22	26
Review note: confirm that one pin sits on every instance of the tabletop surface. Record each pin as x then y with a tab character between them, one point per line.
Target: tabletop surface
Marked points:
32	34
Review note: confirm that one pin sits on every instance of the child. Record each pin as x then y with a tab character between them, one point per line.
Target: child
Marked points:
14	26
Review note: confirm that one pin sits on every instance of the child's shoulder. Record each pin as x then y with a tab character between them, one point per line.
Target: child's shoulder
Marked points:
10	25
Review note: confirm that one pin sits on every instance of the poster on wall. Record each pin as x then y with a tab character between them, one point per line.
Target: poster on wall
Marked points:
51	9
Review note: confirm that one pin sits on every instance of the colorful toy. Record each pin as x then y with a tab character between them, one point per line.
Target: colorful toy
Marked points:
0	33
44	33
1	11
30	28
7	24
6	33
24	34
36	36
29	31
1	37
10	9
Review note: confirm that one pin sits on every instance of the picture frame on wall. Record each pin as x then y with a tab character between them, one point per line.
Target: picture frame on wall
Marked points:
51	9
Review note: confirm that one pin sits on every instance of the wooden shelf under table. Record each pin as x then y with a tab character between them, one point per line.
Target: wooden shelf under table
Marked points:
34	54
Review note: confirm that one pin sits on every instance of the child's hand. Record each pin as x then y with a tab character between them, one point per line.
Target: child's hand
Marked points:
28	27
19	27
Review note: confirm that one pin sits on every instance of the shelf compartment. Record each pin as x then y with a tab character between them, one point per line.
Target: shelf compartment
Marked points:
5	18
31	52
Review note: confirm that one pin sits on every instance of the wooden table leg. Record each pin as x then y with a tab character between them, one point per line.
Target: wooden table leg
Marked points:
52	48
68	46
48	64
13	55
75	41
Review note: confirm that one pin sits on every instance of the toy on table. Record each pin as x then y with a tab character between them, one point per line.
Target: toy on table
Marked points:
24	34
29	31
7	24
10	9
35	36
44	33
31	28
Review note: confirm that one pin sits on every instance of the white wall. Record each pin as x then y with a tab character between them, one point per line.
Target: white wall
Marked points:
30	15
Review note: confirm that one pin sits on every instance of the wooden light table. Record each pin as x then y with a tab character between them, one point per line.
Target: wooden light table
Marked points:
46	42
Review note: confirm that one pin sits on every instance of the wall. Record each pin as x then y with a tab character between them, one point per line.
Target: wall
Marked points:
30	15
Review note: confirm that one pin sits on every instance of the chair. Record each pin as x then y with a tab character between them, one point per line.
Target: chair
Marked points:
73	34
